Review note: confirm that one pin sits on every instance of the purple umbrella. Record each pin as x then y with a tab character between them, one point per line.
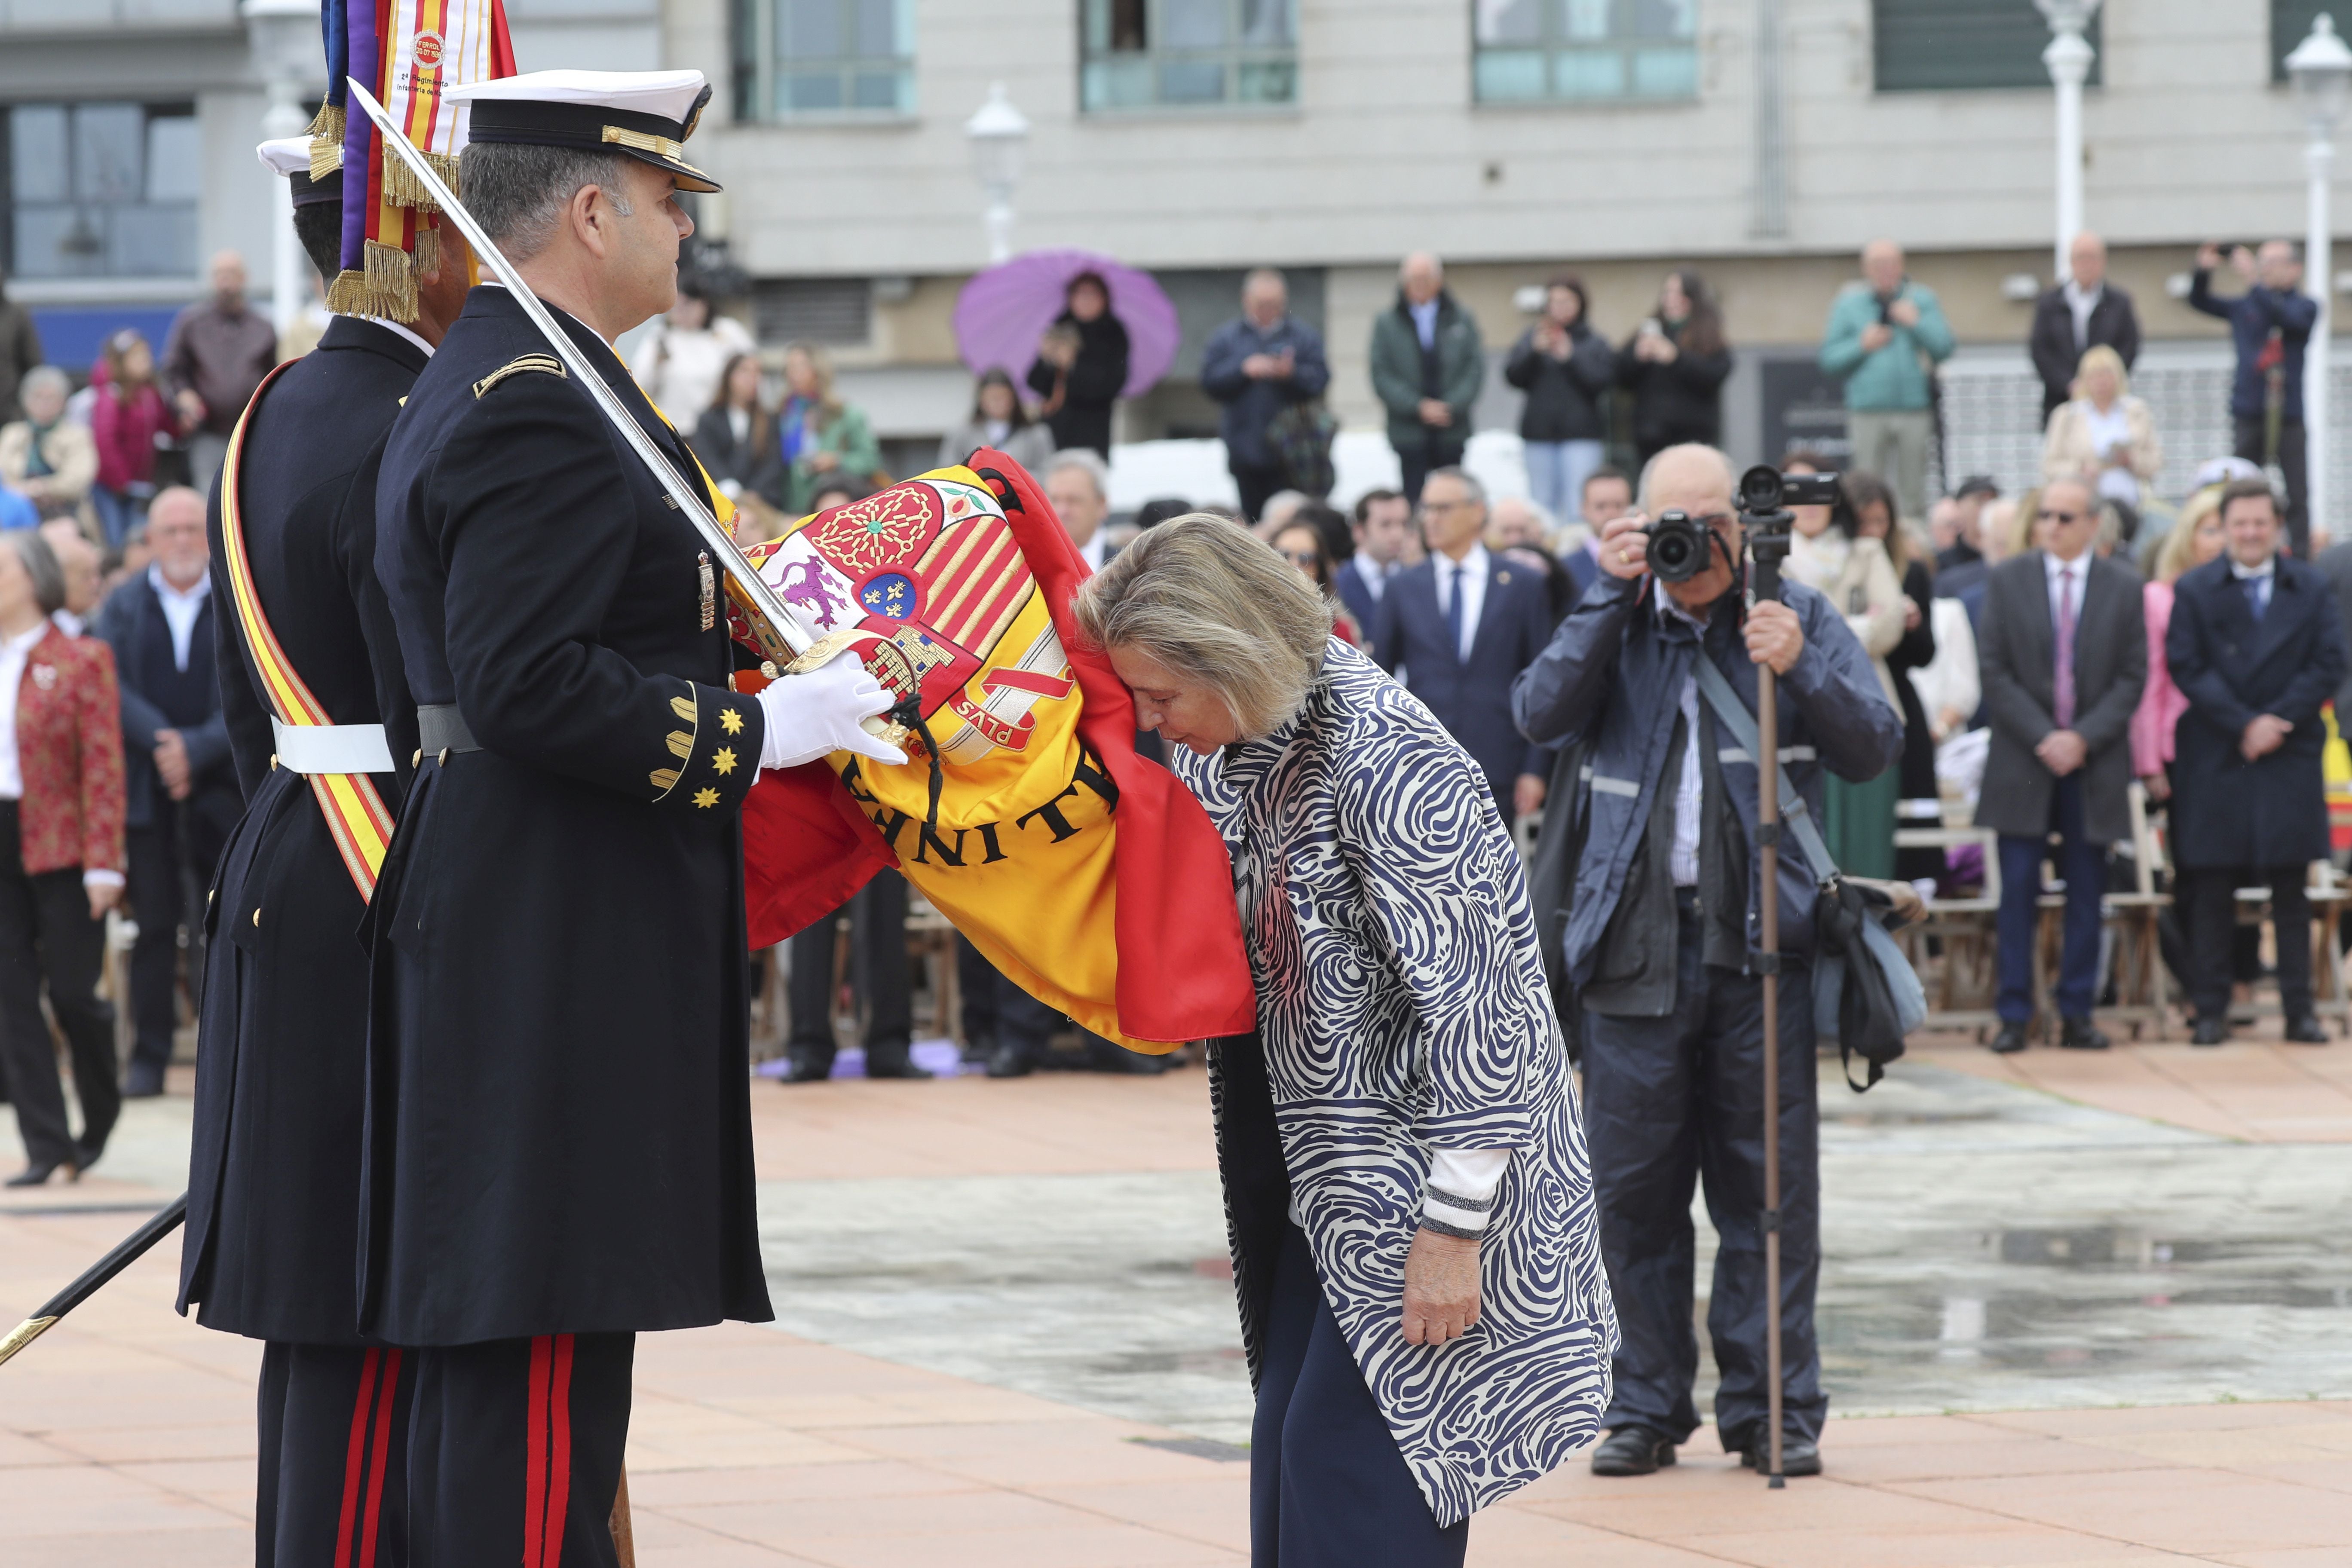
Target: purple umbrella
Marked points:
1002	312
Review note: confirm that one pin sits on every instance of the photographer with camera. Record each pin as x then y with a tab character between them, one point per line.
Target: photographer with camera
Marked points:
1662	939
1885	336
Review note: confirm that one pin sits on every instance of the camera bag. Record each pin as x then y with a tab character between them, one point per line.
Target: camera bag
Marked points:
1866	996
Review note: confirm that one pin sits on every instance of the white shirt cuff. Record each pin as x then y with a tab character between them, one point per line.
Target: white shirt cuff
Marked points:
1460	1197
101	879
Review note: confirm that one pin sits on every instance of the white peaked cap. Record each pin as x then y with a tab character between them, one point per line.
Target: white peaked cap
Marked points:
285	155
669	95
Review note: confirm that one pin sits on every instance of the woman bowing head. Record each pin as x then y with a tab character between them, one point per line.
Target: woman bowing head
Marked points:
1422	1302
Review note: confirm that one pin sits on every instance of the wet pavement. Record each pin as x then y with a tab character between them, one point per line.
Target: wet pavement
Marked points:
1986	1247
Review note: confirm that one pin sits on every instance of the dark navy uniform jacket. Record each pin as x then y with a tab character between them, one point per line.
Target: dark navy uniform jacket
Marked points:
273	1181
559	1129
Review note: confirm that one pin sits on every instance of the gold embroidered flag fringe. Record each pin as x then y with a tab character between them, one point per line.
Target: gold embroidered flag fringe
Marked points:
400	188
347	295
428	248
391	282
326	132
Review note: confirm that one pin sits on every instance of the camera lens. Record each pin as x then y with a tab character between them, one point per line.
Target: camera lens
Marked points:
1670	556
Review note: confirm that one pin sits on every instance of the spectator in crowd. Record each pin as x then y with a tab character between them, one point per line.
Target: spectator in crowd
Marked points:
1919	802
2103	436
2197	537
128	416
1081	367
17	511
1382	520
1257	365
1563	366
2335	563
1462	624
2270	325
181	787
2256	645
83	570
1277	511
1964	550
681	364
45	456
998	420
20	350
60	862
215	356
1656	947
1607	495
1428	366
1338	537
2082	312
878	973
1829	553
1519	529
1948	685
2063	652
1302	545
735	438
837	490
817	435
1077	484
1885	334
1159	509
1674	364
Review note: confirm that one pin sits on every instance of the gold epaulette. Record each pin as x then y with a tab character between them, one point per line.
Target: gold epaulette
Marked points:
545	364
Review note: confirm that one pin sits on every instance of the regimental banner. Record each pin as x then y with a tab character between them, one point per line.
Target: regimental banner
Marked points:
1085	873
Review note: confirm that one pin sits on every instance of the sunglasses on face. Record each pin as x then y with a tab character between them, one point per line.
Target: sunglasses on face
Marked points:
2048	514
1300	557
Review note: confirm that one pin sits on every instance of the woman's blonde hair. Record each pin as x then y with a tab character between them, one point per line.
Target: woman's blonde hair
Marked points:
2020	528
2099	356
1203	596
2178	553
828	406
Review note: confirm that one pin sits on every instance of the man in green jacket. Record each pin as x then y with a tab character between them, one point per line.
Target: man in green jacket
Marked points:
1428	363
1886	333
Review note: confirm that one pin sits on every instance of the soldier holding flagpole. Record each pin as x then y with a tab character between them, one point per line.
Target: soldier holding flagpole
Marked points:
558	1149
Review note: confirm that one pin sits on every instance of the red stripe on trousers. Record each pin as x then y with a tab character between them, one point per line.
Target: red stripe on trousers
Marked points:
355	1460
534	1475
387	1396
558	1469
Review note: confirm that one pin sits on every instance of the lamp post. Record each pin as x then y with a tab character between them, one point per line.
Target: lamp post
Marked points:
2322	68
287	54
998	132
2068	59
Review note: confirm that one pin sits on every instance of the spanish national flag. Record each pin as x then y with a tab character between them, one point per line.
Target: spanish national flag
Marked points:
1087	874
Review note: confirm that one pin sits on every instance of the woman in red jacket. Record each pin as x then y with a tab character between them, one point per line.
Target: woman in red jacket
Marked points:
61	861
125	420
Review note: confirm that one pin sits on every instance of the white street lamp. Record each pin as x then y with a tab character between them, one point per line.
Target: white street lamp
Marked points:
2322	68
998	132
287	52
2068	59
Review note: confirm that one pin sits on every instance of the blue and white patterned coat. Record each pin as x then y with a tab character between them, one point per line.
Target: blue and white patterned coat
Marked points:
1401	1007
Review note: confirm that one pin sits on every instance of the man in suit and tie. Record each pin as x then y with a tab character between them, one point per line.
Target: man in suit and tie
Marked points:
1382	523
1462	624
1608	496
2256	645
2063	654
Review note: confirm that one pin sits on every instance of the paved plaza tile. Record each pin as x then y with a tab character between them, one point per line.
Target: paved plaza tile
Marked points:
1006	1336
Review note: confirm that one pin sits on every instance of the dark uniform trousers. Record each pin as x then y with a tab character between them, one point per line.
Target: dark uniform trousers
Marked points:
2210	901
1672	1099
46	932
515	1451
878	967
332	1486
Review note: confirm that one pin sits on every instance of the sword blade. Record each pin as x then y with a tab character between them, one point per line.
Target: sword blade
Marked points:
689	497
126	1253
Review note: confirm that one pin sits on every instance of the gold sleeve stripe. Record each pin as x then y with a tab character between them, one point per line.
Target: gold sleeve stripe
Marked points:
547	364
664	779
681	744
684	707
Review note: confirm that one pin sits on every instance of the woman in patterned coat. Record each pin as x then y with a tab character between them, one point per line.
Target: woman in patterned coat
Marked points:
1423	1301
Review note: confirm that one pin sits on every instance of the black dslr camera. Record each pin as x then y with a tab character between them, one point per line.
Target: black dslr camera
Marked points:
1680	545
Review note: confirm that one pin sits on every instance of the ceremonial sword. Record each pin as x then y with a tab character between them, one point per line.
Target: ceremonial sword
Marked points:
45	1317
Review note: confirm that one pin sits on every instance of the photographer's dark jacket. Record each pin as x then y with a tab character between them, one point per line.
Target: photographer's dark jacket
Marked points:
1612	683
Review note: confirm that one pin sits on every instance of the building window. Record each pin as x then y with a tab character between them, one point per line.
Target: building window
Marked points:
1585	50
833	310
823	56
1148	53
1936	45
2291	24
100	190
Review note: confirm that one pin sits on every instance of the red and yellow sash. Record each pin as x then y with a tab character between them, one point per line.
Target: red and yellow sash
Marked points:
355	812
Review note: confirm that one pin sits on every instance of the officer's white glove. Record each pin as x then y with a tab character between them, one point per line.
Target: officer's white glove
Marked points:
816	715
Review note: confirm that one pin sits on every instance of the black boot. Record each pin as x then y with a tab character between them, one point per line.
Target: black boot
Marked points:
809	1066
1632	1451
1009	1059
892	1061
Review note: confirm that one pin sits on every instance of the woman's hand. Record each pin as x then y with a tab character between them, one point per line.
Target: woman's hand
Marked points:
824	462
2158	787
103	896
1441	1288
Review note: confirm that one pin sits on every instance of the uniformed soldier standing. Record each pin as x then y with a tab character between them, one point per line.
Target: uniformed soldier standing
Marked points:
558	1145
273	1181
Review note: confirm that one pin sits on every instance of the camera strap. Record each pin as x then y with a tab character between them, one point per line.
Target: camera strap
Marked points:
1735	718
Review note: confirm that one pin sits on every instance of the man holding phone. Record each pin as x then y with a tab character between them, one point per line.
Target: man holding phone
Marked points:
1886	334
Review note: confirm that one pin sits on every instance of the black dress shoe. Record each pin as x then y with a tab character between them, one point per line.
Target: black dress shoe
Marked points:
144	1082
2078	1034
2010	1041
893	1064
39	1175
87	1154
808	1070
1632	1451
2210	1032
1010	1061
979	1048
1799	1456
2306	1030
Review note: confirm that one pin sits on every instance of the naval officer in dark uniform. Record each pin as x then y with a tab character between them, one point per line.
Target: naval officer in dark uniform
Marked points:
559	1141
273	1180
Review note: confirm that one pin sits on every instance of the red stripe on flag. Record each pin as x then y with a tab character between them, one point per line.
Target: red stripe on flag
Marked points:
559	1465
534	1472
354	1460
387	1395
1028	680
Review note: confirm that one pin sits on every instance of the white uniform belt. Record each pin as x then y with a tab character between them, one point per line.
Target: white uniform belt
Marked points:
332	748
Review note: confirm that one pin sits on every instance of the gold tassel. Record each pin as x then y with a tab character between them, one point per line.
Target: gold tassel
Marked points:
347	295
326	132
390	283
428	248
401	187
